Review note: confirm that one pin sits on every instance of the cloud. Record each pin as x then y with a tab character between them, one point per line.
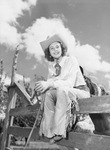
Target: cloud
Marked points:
109	86
98	46
34	67
7	81
87	55
8	35
107	76
10	11
105	66
108	80
90	58
19	77
42	28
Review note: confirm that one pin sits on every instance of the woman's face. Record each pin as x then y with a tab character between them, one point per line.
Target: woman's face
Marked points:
55	50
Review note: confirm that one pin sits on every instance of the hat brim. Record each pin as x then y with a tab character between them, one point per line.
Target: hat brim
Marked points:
55	38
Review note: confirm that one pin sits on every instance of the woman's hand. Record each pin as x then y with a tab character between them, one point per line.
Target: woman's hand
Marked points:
41	86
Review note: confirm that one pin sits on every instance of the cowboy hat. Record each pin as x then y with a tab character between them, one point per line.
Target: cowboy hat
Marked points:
55	38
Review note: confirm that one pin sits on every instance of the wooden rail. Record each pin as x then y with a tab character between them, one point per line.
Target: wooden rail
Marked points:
22	93
15	88
100	104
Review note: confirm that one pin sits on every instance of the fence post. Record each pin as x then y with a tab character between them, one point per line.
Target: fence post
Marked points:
11	103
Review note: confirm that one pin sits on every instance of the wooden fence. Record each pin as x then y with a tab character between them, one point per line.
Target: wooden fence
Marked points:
83	141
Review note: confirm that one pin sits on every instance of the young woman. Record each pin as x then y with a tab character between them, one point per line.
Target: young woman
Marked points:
64	84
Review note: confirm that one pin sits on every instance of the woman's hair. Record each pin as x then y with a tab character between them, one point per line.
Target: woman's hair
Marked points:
82	71
48	55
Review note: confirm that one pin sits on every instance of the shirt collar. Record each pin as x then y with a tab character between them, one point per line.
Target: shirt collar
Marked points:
61	62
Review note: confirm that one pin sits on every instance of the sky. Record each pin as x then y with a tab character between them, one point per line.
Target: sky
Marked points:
83	24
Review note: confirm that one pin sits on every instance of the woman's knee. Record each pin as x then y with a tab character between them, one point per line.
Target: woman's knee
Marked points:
49	100
50	94
61	90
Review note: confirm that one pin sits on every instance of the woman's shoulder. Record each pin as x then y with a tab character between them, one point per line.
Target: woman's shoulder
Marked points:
72	59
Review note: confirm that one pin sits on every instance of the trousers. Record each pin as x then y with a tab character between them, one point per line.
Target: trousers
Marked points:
57	110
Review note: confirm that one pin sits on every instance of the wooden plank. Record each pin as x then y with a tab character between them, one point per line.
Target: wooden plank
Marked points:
21	148
23	131
6	123
82	141
85	141
11	118
42	147
96	104
46	145
28	148
23	94
22	111
89	105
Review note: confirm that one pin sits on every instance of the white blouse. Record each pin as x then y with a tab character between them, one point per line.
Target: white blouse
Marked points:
70	76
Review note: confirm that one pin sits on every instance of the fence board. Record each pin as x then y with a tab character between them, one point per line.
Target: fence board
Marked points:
88	105
22	93
96	104
79	140
29	110
6	122
23	131
85	141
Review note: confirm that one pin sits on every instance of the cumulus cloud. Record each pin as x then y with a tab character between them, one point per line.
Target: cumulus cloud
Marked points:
18	77
98	46
87	55
109	87
7	81
107	75
41	29
10	10
8	35
105	66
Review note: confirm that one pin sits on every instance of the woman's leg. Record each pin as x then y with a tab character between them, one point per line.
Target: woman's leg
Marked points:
79	93
84	123
47	125
60	118
61	115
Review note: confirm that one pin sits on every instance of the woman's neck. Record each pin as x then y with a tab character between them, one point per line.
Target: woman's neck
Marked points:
58	59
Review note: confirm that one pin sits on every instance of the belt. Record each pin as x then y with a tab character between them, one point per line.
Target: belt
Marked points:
82	87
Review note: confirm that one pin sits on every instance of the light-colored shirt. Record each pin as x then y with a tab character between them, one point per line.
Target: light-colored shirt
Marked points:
70	76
